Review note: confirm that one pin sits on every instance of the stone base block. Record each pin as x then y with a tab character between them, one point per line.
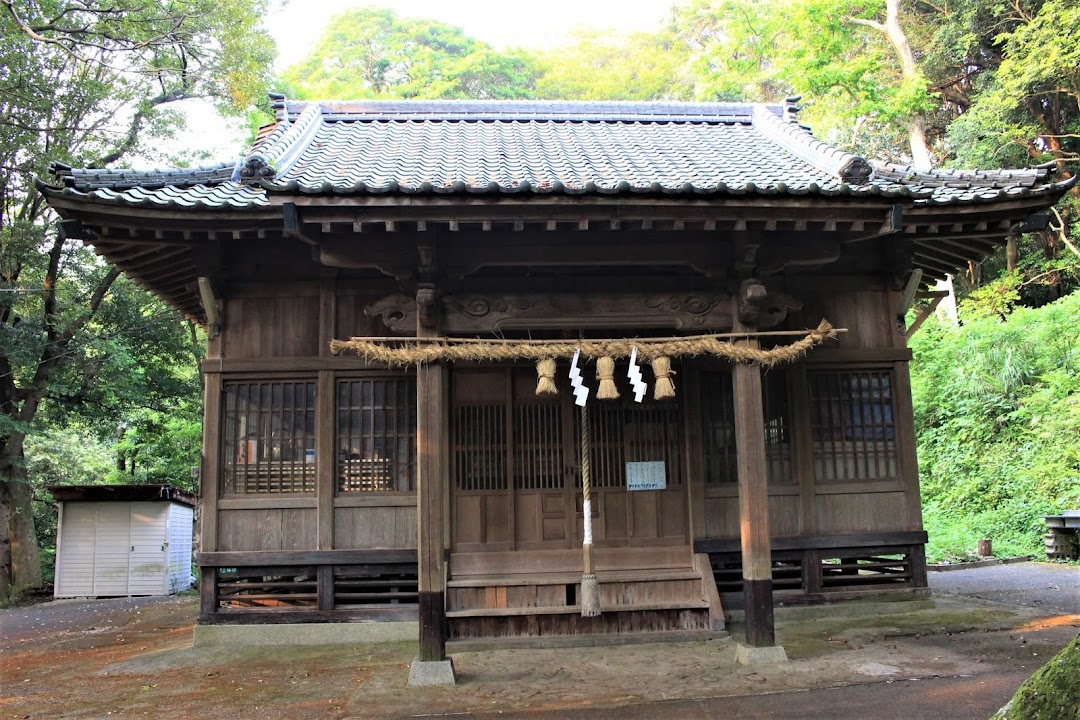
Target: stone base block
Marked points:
432	673
771	655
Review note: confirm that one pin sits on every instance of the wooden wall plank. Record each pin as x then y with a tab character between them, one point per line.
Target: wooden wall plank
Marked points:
862	512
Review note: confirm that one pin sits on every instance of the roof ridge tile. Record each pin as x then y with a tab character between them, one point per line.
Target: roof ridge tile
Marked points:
798	140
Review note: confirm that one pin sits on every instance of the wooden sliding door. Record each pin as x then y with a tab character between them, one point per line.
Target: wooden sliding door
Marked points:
516	467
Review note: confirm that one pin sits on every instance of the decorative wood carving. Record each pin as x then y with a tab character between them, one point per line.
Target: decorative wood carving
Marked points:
486	313
397	312
482	314
761	308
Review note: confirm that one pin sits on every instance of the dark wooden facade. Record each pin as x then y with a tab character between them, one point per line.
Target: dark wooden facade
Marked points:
334	489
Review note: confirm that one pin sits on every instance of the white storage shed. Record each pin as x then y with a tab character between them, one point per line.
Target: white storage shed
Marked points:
122	540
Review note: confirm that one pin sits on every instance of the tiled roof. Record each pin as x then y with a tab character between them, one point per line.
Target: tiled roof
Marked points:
542	148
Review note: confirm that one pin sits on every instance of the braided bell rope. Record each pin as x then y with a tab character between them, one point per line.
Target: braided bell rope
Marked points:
412	352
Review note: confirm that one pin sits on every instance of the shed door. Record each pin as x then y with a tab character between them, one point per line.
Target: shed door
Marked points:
113	530
75	560
146	560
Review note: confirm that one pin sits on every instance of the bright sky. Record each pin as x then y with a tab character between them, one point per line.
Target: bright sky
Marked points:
296	25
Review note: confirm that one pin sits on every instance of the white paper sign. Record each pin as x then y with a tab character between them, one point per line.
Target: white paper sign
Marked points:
646	475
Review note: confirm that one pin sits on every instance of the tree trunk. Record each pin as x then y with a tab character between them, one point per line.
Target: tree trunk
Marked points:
920	148
909	71
20	560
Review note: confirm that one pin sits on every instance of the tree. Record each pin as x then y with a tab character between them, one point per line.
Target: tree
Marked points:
373	53
606	66
850	59
88	84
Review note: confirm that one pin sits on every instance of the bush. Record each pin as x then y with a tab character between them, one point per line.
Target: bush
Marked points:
997	419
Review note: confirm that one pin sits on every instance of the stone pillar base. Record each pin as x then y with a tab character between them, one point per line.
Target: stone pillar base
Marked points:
770	655
432	673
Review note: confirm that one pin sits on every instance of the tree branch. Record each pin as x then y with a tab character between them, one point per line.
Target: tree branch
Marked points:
132	136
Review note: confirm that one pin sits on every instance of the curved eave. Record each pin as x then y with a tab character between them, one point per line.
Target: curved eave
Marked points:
156	245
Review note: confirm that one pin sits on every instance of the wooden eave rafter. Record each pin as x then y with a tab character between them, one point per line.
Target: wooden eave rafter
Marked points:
941	238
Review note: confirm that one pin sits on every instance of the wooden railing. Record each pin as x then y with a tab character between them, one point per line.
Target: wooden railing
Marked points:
307	586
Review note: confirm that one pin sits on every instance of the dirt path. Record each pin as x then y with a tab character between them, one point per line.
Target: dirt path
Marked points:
134	658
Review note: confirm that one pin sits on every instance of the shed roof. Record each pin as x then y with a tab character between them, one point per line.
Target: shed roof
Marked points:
122	493
690	150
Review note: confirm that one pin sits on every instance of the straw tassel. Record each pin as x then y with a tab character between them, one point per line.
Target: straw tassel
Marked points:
605	373
664	387
545	377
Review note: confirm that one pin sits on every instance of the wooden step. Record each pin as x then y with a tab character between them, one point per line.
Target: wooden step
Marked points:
613	576
688	604
528	562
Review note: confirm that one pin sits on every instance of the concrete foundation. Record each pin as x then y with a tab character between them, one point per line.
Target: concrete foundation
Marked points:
771	655
432	673
305	634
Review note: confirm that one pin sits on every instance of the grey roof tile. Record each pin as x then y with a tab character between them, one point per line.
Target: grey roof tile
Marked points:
540	148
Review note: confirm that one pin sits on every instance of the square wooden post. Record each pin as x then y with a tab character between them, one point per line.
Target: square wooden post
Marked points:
431	489
753	503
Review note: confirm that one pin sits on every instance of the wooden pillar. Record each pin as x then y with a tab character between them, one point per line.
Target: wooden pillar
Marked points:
431	489
753	503
209	480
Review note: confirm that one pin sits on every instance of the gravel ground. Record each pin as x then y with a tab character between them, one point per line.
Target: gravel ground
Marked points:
1039	585
134	658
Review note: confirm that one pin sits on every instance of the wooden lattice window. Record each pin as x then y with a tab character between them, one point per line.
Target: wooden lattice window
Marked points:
269	437
480	447
718	427
625	431
376	435
538	446
852	425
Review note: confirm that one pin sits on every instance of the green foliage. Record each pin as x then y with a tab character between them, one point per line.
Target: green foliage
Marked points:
89	84
606	66
372	53
997	416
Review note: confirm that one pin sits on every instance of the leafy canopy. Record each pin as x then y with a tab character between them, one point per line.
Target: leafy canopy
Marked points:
372	52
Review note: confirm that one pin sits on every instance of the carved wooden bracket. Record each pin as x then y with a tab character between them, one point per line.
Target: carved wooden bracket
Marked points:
397	312
426	308
761	308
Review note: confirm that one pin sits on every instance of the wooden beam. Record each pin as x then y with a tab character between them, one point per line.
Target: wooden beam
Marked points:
924	313
908	295
293	226
210	305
